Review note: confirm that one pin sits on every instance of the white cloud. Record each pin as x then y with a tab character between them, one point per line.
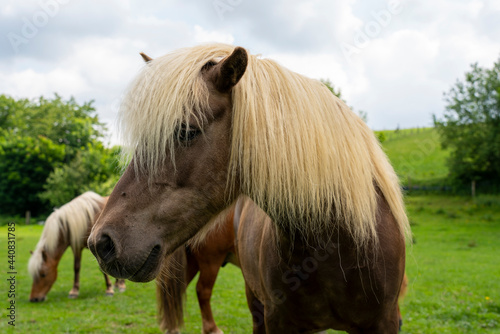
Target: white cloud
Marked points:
204	36
90	48
316	66
30	83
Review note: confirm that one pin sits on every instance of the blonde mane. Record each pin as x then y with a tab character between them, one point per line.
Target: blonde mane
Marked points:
72	222
299	150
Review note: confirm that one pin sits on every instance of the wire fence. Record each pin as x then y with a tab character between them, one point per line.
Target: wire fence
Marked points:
472	189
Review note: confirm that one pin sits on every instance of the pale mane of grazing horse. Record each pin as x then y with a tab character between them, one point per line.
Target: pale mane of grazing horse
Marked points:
299	150
72	221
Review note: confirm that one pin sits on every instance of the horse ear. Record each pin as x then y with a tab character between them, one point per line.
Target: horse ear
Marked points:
230	70
146	58
31	252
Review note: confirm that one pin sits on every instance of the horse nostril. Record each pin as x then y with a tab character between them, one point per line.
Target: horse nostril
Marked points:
105	248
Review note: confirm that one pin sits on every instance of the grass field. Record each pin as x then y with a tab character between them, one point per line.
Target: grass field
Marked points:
453	266
417	156
133	311
454	272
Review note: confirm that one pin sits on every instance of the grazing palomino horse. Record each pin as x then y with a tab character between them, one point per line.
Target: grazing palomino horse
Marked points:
211	122
67	226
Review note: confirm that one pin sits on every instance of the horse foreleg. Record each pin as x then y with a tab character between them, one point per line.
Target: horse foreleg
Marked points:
204	287
400	318
257	311
120	285
109	286
75	291
388	324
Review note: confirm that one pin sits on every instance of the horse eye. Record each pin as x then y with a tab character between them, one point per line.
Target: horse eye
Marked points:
186	134
42	275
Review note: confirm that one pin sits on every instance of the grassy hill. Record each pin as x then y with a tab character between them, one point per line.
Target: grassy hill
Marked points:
417	156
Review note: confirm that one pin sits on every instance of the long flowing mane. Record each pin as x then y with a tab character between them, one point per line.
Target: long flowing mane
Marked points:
299	150
71	222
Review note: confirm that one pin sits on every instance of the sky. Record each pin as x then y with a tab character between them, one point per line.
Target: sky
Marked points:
392	59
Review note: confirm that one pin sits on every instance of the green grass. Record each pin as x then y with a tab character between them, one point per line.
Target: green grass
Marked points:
133	311
416	155
453	268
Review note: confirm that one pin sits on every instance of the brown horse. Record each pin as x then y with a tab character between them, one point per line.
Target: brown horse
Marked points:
180	268
67	226
402	293
209	123
217	248
279	287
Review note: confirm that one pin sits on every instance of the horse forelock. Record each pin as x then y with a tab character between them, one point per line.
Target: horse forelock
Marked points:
299	150
168	92
71	221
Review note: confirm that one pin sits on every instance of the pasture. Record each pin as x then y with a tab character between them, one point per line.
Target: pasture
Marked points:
417	156
453	267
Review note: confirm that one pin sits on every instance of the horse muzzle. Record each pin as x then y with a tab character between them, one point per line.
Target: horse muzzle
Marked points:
37	299
120	259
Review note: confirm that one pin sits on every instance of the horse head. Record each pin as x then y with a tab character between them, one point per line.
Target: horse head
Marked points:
44	275
150	214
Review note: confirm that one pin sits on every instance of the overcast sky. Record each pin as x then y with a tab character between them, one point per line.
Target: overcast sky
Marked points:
392	59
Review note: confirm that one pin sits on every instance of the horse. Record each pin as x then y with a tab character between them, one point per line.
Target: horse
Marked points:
402	292
178	270
205	124
217	249
299	271
68	226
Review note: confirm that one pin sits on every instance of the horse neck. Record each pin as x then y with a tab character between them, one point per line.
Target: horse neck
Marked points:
62	245
295	244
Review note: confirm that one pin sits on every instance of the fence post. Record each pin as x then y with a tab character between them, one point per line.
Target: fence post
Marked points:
473	188
28	216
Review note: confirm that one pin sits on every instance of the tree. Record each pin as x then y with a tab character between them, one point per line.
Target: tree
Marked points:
470	126
45	136
93	169
63	122
9	108
25	163
337	92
